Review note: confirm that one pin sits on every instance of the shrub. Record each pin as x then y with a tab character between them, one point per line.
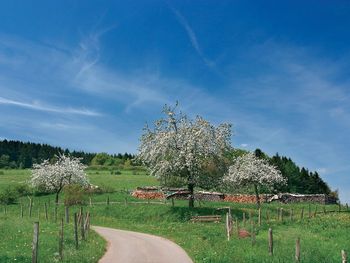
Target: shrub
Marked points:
2	173
8	196
117	172
74	195
41	190
23	190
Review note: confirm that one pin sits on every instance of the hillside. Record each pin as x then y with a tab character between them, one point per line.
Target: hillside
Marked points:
17	154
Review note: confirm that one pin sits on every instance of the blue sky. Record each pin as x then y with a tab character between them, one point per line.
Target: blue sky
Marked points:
88	75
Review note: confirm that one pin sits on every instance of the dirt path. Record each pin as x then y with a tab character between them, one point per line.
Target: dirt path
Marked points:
133	247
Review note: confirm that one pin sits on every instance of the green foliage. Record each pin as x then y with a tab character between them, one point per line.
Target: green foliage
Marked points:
299	180
17	154
74	195
173	181
8	196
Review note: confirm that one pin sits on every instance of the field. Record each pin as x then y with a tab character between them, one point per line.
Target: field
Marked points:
322	237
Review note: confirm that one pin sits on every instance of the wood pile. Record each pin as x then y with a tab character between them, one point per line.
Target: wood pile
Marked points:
209	196
296	198
237	198
148	195
148	188
181	195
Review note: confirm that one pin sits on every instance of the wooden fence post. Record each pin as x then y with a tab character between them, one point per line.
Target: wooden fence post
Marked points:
80	215
237	227
21	211
324	209
315	213
172	202
82	229
107	200
270	236
228	226
60	242
46	216
90	201
66	212
76	230
259	217
302	213
55	213
309	211
126	201
243	219
30	207
297	250
344	257
253	234
35	244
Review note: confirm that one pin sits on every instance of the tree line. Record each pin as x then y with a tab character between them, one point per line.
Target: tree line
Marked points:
17	154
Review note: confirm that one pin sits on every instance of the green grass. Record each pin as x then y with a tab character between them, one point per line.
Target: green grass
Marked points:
16	235
322	237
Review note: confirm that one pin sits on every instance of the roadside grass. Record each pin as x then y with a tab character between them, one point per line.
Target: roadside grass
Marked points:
16	235
322	237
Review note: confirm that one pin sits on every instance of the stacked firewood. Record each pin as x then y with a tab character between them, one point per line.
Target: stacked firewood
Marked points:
243	198
148	195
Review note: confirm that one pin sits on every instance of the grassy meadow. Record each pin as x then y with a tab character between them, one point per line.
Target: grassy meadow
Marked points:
322	237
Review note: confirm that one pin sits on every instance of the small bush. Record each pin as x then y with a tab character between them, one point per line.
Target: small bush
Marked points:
2	173
8	196
117	172
41	190
74	195
23	190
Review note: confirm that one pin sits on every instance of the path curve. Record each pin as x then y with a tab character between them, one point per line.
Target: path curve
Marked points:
132	247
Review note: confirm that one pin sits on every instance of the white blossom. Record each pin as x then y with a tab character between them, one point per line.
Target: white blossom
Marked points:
53	177
251	170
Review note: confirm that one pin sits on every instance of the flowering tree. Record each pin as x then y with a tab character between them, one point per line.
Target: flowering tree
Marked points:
178	146
53	177
251	170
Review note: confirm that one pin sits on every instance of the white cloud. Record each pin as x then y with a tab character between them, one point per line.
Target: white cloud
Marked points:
192	36
47	108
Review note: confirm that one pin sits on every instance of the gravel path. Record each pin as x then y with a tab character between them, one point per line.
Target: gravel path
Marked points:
133	247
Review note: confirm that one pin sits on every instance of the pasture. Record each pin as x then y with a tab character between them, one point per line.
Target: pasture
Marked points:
322	236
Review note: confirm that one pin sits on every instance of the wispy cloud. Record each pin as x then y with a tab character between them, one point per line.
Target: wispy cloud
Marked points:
192	36
47	108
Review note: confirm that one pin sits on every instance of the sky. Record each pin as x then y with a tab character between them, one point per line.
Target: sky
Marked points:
88	75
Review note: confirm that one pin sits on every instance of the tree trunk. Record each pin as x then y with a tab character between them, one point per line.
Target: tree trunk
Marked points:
191	196
56	198
257	195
